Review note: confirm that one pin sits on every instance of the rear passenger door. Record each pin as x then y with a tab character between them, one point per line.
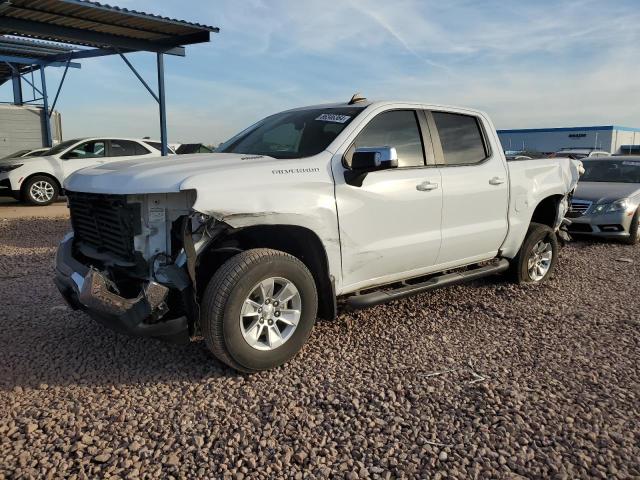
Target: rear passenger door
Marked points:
475	188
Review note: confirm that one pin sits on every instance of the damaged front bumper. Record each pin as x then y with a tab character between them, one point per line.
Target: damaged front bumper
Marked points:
88	289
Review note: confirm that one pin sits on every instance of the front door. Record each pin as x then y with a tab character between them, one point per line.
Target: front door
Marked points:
86	154
390	223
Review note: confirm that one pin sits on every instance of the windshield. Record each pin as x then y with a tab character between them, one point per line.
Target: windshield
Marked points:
19	153
618	171
61	147
295	134
37	153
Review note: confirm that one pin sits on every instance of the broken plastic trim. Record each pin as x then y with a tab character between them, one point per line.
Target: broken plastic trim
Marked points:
97	296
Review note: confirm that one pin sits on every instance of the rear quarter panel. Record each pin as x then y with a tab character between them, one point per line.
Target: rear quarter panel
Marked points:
531	182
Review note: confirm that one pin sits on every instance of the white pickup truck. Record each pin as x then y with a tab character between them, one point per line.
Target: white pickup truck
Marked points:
350	205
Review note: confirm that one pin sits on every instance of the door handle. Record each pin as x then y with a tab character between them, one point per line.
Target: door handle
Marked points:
426	186
496	181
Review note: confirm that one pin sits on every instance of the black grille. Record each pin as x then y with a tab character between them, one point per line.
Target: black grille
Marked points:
105	222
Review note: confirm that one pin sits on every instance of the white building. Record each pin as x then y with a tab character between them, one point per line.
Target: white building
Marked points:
610	138
22	127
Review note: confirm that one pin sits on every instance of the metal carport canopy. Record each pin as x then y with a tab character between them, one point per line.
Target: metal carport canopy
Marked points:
23	54
95	30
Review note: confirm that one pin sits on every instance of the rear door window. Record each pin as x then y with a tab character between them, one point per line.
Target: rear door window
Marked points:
126	148
461	138
158	146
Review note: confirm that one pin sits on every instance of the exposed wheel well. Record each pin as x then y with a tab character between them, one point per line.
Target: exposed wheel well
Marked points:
297	241
546	211
48	175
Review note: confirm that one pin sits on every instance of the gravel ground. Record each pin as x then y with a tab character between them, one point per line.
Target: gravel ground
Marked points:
486	380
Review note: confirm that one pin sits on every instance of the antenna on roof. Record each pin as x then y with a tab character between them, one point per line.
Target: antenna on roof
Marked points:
357	98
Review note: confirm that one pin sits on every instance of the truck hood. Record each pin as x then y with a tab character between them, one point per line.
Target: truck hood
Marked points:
162	174
606	192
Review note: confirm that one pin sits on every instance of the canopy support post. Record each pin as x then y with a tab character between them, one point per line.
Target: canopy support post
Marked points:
45	103
163	106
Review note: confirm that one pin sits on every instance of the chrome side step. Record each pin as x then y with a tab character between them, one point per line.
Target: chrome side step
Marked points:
378	297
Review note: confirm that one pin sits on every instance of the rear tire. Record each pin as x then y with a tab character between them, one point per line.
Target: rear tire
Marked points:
40	190
634	230
246	325
537	257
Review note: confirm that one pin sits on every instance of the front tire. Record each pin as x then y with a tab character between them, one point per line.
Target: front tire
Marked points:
258	309
40	190
634	230
538	255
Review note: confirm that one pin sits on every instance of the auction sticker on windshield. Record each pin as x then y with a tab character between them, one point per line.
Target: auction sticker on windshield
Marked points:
333	117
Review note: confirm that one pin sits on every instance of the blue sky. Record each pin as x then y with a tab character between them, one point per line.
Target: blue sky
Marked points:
528	64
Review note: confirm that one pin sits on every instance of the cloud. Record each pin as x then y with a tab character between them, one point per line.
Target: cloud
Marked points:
544	63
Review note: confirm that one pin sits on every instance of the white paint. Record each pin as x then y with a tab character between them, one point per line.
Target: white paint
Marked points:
383	231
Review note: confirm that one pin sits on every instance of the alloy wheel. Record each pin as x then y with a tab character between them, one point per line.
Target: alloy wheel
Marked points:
539	261
41	191
270	313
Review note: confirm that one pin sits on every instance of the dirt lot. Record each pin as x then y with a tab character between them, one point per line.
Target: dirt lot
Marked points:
10	208
486	380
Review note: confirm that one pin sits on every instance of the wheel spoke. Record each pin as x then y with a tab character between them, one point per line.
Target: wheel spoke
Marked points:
290	317
266	288
276	332
271	337
286	293
256	330
250	308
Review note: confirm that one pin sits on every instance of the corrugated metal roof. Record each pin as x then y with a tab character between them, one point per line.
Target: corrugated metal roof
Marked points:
22	47
92	17
142	14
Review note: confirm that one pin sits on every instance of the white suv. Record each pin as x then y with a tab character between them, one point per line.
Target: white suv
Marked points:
39	180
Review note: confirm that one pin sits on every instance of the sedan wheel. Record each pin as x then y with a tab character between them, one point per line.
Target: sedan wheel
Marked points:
40	190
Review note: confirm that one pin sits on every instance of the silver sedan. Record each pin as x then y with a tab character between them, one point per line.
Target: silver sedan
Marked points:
607	200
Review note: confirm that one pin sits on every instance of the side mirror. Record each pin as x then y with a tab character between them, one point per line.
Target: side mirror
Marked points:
366	159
